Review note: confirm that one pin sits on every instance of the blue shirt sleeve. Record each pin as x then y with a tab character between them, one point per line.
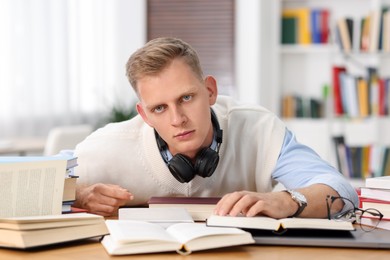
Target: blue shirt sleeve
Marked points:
300	166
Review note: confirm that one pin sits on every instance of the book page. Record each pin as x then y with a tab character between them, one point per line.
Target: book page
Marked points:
131	231
185	232
31	188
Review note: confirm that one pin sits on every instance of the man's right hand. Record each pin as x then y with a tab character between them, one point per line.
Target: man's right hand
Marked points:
102	199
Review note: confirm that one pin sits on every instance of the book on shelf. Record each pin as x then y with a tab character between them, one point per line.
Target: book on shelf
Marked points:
337	99
37	231
278	225
345	32
198	207
162	216
289	30
302	16
139	237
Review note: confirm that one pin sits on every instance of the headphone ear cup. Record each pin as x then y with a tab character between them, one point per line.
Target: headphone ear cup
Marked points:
181	168
206	162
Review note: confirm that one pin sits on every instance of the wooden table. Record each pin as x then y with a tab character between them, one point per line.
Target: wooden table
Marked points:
92	249
22	146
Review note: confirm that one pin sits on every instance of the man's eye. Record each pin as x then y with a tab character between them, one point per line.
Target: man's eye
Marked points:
187	98
158	109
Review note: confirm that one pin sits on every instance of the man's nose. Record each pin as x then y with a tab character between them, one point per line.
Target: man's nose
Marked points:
177	116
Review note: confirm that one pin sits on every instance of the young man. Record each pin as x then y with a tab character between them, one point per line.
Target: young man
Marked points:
188	141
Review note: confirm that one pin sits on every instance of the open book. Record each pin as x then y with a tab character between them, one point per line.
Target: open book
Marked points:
31	187
267	223
33	231
137	237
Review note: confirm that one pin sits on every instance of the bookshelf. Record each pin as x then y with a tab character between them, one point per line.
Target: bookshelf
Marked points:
304	69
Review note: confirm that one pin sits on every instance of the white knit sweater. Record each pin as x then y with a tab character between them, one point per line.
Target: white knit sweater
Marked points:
126	154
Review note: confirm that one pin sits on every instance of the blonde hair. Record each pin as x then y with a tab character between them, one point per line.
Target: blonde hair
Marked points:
156	55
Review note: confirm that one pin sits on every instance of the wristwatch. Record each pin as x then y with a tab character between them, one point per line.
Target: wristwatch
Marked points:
300	199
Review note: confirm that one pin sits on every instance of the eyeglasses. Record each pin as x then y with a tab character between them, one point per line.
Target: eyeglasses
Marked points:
352	213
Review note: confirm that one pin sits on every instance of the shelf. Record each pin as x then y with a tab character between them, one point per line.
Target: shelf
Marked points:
308	49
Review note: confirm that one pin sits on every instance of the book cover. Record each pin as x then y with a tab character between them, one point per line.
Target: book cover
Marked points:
71	161
316	30
138	237
343	28
303	17
324	26
337	99
289	30
363	97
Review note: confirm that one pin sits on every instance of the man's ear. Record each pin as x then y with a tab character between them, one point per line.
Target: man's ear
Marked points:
211	85
142	113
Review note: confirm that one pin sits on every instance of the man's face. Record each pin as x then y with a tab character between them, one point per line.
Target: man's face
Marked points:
177	104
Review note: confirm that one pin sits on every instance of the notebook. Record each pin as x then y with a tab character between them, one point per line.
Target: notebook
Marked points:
378	238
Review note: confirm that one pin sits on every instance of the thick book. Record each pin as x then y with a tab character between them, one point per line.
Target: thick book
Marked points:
278	225
31	188
138	237
36	231
199	207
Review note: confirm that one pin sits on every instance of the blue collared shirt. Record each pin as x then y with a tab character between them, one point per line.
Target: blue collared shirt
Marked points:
300	166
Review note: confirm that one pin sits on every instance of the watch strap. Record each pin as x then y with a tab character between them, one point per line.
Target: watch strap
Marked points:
301	203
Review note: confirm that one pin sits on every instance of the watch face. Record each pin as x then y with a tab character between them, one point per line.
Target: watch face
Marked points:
299	196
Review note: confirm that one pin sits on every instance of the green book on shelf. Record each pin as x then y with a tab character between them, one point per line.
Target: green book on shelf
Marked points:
289	30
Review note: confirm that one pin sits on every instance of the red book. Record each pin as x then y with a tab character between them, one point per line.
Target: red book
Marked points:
382	97
338	105
324	26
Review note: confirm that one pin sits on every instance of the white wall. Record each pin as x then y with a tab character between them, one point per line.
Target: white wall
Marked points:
256	52
131	35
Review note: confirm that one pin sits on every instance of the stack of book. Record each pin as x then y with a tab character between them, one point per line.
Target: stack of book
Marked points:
376	194
69	195
37	231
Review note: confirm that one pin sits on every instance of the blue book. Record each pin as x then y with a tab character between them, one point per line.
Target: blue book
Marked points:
71	160
315	17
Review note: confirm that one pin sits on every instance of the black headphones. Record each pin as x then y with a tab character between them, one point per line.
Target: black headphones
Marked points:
206	160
